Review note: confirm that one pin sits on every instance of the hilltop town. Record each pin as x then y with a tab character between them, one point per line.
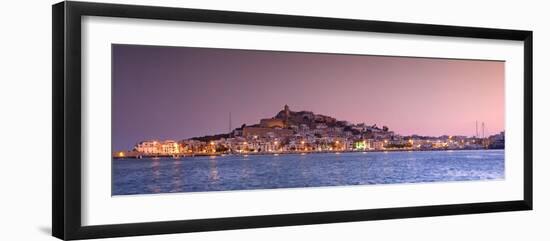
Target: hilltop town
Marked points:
305	132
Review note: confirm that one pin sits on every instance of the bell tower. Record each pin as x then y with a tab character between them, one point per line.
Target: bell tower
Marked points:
287	111
287	115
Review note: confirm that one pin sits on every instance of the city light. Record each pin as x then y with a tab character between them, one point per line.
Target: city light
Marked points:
313	137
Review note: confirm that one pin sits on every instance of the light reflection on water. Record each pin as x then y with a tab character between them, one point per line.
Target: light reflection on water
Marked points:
221	173
177	175
213	171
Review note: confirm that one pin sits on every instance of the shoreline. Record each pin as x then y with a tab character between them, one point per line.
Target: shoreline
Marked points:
288	153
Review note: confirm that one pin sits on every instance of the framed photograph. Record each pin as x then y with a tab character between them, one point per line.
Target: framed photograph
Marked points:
170	120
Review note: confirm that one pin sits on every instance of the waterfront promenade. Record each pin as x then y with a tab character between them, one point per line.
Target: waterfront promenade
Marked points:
136	155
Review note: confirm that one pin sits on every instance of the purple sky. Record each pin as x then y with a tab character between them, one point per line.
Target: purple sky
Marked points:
179	92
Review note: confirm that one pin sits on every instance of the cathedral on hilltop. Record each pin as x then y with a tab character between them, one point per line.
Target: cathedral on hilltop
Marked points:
279	121
286	122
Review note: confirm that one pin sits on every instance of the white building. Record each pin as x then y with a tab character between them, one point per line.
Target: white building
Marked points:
155	147
169	147
148	147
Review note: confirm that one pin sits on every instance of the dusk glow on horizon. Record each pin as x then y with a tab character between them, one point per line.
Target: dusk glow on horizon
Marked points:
180	92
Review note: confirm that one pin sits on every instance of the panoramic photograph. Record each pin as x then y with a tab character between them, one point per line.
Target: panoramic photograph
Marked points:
188	119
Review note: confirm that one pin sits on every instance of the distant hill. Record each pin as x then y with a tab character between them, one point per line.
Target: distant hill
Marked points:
308	118
288	119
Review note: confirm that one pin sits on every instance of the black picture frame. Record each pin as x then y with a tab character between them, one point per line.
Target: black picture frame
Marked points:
66	159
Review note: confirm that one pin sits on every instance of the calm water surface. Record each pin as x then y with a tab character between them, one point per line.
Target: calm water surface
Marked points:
199	174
